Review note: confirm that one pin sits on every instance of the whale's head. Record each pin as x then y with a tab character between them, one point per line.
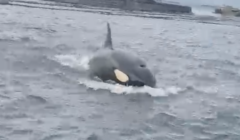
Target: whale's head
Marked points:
133	68
120	66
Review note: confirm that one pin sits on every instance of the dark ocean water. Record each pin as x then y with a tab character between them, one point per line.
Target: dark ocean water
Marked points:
45	94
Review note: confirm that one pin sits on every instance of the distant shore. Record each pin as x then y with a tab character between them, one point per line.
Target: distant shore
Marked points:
138	5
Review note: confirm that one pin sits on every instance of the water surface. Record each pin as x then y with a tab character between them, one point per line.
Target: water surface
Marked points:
45	94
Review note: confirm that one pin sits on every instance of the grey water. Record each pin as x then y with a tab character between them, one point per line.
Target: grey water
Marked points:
42	53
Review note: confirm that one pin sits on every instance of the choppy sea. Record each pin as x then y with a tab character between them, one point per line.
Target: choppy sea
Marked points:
45	94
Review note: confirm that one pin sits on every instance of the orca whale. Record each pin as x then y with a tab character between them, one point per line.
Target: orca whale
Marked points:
120	66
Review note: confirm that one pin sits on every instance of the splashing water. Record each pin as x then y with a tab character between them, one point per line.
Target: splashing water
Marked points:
120	89
204	11
81	63
74	61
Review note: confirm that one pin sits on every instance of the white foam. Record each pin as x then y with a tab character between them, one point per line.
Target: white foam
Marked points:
120	89
81	62
74	61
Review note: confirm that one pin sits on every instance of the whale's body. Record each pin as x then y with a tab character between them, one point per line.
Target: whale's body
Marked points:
122	67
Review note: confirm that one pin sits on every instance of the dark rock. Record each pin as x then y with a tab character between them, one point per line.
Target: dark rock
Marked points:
93	137
218	11
133	5
238	14
4	1
103	136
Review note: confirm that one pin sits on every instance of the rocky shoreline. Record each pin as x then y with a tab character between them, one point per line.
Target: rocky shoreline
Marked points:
228	11
132	5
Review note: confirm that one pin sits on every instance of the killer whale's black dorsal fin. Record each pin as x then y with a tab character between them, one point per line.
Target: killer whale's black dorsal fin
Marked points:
108	42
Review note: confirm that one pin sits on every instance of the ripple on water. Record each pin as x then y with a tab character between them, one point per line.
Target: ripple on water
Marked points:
13	109
20	35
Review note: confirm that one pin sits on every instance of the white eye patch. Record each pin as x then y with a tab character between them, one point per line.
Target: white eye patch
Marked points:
121	76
